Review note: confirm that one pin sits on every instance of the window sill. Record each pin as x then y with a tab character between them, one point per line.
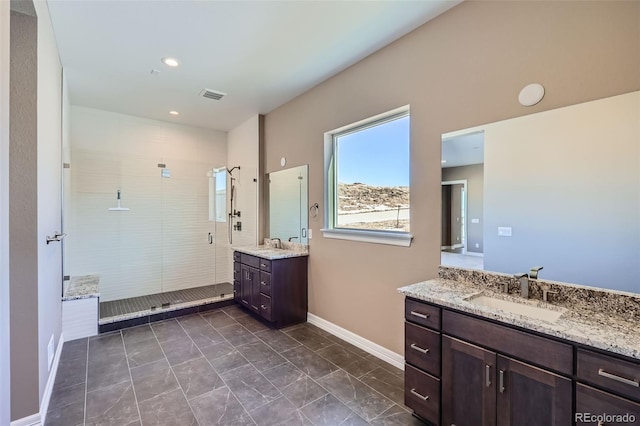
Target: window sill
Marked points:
376	237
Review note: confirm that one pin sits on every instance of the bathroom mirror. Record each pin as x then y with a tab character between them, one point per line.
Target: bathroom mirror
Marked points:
558	189
288	200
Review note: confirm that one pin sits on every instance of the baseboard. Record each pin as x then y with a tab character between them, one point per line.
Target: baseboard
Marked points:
48	389
33	420
374	349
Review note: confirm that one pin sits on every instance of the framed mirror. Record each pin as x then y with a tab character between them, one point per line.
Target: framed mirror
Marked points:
288	200
558	189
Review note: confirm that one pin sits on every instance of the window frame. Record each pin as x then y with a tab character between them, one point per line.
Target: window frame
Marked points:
397	238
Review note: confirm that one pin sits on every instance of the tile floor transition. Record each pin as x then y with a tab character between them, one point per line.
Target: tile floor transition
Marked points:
122	307
223	367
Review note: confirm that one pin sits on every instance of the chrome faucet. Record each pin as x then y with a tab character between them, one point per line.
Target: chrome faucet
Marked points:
277	243
523	278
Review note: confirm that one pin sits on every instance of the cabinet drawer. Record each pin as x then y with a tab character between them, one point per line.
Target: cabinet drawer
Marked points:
593	402
265	307
265	283
422	314
422	348
610	373
265	265
236	256
537	350
252	261
422	394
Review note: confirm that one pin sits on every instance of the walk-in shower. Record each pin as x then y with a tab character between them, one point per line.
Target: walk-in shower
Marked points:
173	236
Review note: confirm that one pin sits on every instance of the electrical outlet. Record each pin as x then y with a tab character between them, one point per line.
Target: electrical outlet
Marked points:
50	352
310	233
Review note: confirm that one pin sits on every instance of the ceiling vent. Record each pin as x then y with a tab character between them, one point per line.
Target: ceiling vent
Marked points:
212	94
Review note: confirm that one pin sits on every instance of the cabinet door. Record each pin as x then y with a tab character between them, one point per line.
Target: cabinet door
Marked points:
468	384
593	404
247	286
531	396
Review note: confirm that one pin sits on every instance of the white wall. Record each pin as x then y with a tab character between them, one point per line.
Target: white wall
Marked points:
242	151
161	243
568	183
5	393
49	189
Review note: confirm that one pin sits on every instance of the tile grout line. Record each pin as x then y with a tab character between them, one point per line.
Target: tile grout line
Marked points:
126	356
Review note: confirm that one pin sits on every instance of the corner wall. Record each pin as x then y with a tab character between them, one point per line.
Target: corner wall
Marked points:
462	69
5	366
23	216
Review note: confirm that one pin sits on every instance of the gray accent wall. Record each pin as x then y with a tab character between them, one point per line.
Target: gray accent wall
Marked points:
23	216
474	175
5	366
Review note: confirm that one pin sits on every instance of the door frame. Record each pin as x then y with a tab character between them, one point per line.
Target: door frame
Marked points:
465	207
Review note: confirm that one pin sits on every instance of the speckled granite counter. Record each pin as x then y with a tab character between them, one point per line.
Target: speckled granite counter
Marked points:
582	322
82	287
270	253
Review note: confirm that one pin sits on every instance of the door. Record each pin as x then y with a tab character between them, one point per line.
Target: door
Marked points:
530	396
468	384
593	402
250	288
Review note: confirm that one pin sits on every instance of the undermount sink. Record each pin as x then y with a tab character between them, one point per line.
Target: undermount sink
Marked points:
523	308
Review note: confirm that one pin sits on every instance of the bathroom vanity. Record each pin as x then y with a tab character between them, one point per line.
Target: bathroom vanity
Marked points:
271	283
473	362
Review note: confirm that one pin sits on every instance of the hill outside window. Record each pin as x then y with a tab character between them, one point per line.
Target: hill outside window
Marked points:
367	180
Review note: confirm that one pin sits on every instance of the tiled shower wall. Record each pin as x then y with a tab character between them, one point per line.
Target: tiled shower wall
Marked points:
161	243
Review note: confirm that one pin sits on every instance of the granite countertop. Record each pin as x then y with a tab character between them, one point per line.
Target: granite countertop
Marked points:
82	287
270	253
586	322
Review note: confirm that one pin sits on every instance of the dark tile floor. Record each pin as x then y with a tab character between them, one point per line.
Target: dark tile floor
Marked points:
223	367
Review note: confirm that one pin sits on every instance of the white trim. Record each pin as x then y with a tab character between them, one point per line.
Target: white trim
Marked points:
33	420
374	349
474	253
48	389
377	237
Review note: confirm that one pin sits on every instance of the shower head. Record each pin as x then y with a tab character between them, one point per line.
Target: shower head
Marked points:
230	171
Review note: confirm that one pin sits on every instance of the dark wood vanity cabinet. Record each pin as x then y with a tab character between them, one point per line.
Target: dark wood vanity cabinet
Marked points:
276	289
489	374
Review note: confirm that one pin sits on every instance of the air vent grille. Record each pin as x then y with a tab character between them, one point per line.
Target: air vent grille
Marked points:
212	94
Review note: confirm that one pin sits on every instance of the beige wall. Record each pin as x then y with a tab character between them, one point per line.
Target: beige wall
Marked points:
462	69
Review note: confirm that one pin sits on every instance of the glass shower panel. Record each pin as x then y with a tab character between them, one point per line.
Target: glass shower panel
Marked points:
188	236
121	246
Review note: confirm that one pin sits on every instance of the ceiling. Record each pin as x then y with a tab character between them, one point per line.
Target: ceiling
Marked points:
463	150
260	53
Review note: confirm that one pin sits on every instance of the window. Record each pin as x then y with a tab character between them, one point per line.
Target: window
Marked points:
367	180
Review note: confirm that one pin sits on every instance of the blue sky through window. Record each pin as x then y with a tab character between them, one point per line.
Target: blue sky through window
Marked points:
376	156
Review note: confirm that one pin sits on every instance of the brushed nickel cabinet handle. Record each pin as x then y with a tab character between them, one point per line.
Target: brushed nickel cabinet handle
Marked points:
422	397
630	382
487	375
501	381
419	349
419	315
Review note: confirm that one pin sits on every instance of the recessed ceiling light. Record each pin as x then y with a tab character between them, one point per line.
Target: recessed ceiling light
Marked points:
174	113
170	62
